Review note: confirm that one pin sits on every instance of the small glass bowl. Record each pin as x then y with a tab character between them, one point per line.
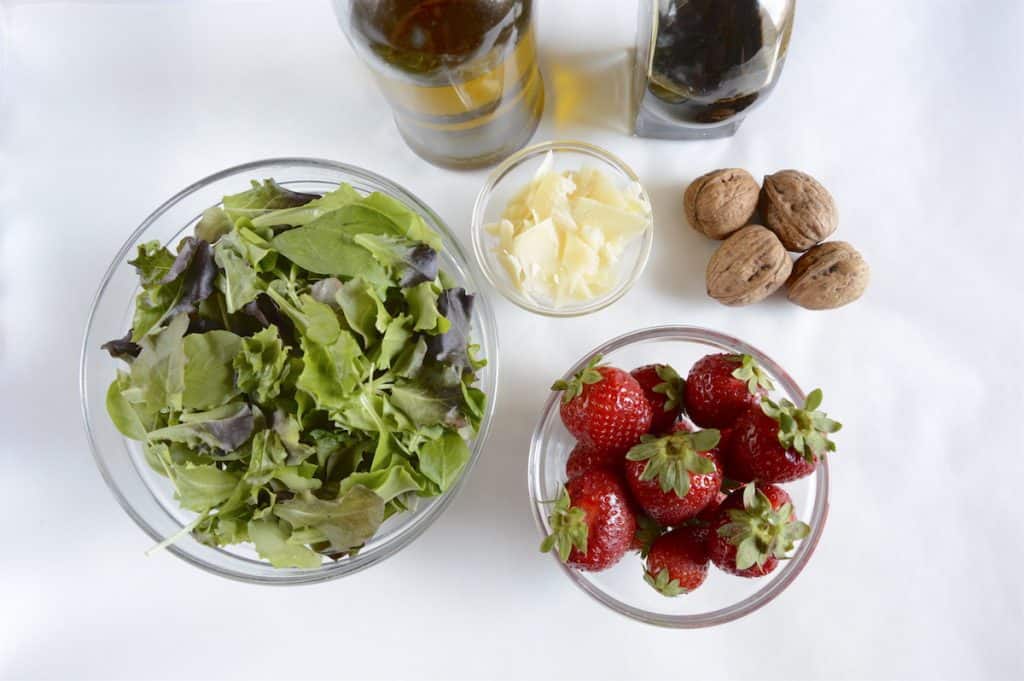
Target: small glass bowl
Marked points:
148	497
723	597
515	173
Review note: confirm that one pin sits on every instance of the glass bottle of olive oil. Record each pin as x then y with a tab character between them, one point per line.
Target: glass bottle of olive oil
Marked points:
461	75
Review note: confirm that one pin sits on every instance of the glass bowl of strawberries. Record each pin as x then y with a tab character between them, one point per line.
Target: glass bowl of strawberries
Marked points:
679	476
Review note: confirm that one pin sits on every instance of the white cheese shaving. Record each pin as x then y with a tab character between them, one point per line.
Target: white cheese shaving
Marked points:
561	237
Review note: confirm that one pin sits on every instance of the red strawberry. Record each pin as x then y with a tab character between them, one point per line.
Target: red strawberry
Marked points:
779	442
756	526
678	561
663	388
592	524
584	457
674	477
710	512
721	387
604	407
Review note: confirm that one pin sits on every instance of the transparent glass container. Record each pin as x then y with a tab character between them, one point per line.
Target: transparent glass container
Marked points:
703	65
461	76
515	173
148	497
723	597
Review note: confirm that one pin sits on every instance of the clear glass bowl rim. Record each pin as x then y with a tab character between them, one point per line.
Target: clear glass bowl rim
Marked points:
483	198
790	569
417	525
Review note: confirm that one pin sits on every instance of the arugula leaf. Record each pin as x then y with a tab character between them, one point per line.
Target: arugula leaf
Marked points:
262	198
443	459
239	283
415	262
209	374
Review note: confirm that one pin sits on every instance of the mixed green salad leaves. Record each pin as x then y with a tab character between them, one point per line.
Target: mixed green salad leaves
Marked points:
300	370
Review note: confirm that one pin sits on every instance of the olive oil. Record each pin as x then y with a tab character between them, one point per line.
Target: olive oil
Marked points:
461	75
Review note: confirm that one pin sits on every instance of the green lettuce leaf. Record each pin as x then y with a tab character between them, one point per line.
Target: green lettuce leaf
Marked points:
209	371
261	198
262	365
270	539
443	459
302	215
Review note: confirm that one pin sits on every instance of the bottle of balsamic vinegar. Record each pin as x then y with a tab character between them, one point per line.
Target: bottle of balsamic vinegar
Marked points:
703	64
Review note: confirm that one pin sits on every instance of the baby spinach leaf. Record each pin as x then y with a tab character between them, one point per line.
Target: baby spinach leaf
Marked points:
158	373
319	248
342	196
262	198
271	541
443	459
121	411
406	223
201	488
209	371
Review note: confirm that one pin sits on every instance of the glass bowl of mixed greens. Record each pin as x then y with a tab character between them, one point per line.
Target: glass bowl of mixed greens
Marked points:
288	371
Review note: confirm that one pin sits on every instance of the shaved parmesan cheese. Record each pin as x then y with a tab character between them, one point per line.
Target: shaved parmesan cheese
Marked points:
562	237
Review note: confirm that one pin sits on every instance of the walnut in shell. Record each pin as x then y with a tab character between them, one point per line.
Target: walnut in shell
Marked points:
829	275
720	202
749	266
798	208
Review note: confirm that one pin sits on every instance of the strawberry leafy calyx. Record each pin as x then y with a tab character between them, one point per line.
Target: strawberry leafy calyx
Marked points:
804	430
663	585
672	458
759	531
647	531
752	373
569	528
672	386
573	388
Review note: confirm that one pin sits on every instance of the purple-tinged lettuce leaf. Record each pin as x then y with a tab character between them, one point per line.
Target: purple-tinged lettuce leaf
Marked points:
452	346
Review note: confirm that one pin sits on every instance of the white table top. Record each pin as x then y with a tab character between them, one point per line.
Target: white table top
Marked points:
909	111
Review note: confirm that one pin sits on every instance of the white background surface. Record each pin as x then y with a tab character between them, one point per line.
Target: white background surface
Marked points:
911	112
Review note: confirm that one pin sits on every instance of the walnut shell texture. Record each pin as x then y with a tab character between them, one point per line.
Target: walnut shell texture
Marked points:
828	276
720	202
748	267
798	208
